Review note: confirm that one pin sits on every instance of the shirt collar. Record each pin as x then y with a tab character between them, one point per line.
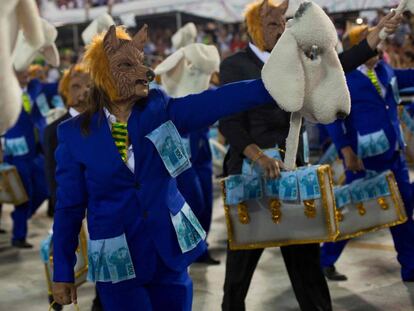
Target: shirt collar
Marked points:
110	117
262	55
73	112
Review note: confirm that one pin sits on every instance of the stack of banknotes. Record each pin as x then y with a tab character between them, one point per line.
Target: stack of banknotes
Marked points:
171	148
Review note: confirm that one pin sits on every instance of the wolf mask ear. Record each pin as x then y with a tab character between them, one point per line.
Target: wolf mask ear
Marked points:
141	38
283	74
111	41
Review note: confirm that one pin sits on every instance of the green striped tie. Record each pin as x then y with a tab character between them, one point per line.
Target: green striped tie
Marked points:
373	77
120	135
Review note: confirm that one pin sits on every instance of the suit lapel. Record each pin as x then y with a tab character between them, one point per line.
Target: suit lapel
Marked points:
105	147
254	58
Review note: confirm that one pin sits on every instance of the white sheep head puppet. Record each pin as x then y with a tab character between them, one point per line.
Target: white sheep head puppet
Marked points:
189	70
98	25
304	74
25	53
184	36
15	15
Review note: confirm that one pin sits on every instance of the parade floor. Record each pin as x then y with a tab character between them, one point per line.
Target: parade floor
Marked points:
370	263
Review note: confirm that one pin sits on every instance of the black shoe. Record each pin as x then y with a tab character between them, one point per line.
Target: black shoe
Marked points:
207	259
333	275
21	244
56	306
2	231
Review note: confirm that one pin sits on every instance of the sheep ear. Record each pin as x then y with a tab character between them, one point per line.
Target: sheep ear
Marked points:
283	75
170	62
29	19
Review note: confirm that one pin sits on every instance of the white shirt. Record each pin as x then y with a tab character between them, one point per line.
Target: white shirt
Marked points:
130	163
73	112
364	69
262	55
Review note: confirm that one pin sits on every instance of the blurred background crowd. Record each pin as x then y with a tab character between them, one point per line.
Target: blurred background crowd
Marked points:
227	36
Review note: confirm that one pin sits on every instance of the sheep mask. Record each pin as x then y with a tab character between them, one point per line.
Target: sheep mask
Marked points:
25	53
189	70
115	62
304	74
15	15
184	36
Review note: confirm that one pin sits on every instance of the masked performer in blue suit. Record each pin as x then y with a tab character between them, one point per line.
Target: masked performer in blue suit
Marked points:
22	150
371	139
110	163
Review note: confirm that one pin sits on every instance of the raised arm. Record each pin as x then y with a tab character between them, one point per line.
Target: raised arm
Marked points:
69	211
195	112
361	53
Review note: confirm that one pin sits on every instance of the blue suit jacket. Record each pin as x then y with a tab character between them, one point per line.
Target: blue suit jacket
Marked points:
371	113
92	177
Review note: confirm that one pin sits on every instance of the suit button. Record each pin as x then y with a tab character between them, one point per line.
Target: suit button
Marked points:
137	186
387	107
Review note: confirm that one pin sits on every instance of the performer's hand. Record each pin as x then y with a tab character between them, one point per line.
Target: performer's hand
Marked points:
64	293
352	162
391	22
270	166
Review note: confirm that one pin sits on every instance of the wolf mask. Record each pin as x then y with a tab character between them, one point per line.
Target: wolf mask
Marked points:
116	65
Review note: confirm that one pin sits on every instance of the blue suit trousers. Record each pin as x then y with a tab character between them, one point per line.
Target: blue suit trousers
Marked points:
168	290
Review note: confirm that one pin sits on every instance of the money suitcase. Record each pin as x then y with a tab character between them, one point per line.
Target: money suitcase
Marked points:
367	205
81	267
12	190
270	221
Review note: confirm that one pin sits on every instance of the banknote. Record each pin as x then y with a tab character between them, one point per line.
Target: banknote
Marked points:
329	156
170	147
188	213
117	259
358	194
187	236
370	189
234	189
288	189
95	248
372	144
382	186
308	183
252	187
16	146
342	196
45	249
57	102
250	168
42	104
272	188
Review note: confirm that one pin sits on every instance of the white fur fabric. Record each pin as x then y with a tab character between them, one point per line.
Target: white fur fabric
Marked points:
25	53
184	36
189	70
100	24
314	88
14	15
